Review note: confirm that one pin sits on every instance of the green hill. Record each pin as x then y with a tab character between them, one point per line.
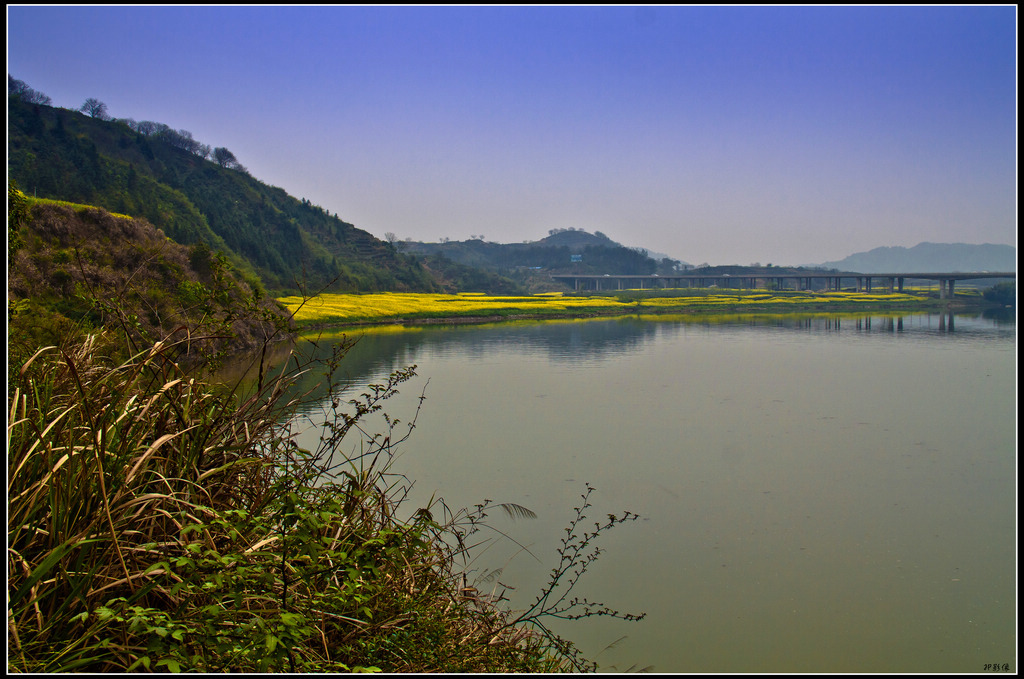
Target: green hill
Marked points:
565	251
74	269
150	171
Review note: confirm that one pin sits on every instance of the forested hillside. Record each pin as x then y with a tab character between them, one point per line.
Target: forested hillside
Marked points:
563	251
198	194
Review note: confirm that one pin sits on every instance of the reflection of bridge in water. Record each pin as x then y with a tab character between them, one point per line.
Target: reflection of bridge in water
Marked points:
946	323
862	282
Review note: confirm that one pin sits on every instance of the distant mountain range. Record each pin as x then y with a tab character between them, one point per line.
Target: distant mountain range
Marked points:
930	257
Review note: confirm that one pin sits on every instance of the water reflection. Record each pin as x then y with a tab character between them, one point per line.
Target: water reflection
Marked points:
1004	316
379	351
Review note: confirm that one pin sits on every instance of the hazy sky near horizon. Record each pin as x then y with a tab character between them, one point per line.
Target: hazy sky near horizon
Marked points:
727	135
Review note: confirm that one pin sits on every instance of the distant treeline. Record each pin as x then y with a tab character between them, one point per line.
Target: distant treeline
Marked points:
94	108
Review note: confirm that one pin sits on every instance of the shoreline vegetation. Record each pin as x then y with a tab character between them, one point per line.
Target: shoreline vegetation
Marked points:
158	522
341	310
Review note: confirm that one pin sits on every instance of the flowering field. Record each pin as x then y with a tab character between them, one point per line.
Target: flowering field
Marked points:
342	309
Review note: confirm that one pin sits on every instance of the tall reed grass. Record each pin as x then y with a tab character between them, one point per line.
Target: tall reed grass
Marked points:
157	522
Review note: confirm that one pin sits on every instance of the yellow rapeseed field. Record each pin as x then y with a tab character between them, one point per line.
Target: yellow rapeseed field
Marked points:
341	309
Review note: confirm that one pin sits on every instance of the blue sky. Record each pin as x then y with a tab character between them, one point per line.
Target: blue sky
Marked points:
727	135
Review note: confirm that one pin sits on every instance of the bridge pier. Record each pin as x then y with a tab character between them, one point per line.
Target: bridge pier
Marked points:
942	289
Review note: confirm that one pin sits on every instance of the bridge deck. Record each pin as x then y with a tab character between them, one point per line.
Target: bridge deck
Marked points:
833	280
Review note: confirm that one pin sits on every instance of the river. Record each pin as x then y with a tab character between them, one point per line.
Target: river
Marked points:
817	493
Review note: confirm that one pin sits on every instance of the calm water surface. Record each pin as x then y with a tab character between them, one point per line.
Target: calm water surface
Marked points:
818	493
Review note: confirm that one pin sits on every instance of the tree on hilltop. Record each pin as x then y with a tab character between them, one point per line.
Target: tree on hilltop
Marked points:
19	90
95	109
227	159
183	139
150	128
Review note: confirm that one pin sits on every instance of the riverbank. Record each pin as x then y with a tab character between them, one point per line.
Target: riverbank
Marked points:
337	310
199	537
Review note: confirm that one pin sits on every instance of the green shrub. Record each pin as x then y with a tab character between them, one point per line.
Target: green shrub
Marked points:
1002	293
192	293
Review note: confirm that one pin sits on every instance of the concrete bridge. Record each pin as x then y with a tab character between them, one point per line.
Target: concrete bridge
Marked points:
800	281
